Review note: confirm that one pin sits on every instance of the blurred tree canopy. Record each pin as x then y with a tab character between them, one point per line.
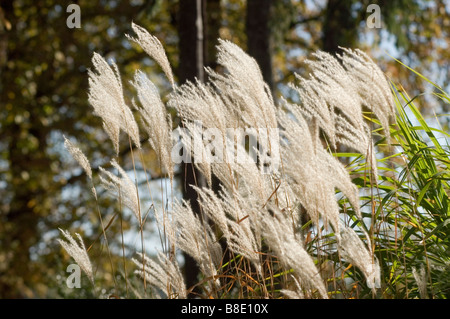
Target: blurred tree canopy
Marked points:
44	84
43	96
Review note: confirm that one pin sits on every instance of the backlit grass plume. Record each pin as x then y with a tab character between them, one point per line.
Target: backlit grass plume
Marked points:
106	97
153	47
156	121
163	274
122	187
78	252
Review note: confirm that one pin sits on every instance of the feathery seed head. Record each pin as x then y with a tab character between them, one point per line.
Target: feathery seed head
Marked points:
153	47
195	238
106	97
79	156
163	274
280	236
352	248
155	119
78	252
122	187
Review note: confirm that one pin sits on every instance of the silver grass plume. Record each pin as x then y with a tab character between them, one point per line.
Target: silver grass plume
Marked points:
340	178
249	178
123	187
336	87
314	108
337	91
196	101
156	121
212	206
153	47
238	99
244	241
201	106
78	252
371	85
313	173
332	104
353	249
79	156
286	244
192	141
294	294
244	86
106	97
238	224
196	238
163	274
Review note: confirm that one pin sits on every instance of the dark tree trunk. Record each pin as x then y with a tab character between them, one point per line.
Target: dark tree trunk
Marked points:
191	45
212	24
259	37
340	27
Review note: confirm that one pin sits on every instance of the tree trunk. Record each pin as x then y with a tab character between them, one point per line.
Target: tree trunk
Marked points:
191	40
211	25
259	37
340	27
